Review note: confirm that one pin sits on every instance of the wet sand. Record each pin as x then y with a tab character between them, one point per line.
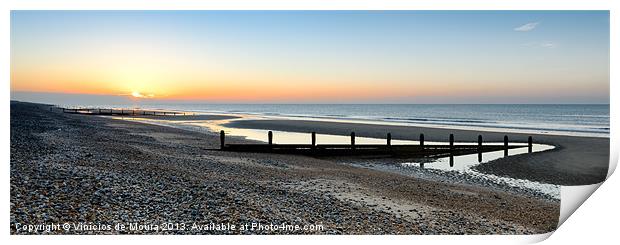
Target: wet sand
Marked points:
184	117
80	168
575	161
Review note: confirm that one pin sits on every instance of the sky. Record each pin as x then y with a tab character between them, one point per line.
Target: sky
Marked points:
313	56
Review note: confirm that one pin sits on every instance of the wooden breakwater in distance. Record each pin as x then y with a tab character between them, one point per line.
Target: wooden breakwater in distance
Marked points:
388	149
118	112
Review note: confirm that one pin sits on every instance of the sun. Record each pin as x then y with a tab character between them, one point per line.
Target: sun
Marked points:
136	94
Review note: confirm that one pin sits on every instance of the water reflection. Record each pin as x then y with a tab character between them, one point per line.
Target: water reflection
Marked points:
465	163
451	160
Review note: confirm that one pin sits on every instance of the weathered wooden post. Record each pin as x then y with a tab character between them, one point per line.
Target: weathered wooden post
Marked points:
270	137
389	139
422	139
479	148
451	150
529	144
451	141
133	112
352	140
313	139
222	138
505	145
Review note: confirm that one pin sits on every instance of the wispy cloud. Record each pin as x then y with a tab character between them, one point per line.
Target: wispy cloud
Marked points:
543	44
527	27
547	44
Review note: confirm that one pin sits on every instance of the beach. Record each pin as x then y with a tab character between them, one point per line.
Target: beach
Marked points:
99	170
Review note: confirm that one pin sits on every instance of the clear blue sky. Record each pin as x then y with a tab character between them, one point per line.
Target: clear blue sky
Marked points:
316	56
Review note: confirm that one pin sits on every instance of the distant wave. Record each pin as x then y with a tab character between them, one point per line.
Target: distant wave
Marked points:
437	120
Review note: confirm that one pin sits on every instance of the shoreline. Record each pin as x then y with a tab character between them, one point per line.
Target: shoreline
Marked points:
575	160
98	169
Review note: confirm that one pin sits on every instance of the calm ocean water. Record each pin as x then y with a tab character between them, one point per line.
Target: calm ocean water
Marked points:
589	119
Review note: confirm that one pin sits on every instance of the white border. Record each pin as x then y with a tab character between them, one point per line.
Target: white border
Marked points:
594	209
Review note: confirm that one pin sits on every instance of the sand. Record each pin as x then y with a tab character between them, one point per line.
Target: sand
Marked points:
575	161
80	168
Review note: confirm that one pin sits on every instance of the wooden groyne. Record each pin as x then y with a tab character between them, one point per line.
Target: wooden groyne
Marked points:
118	112
387	149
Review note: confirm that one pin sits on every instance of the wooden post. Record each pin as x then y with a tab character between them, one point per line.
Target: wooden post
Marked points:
313	138
270	137
505	145
63	110
389	139
352	140
529	144
451	141
133	112
479	148
422	139
222	138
